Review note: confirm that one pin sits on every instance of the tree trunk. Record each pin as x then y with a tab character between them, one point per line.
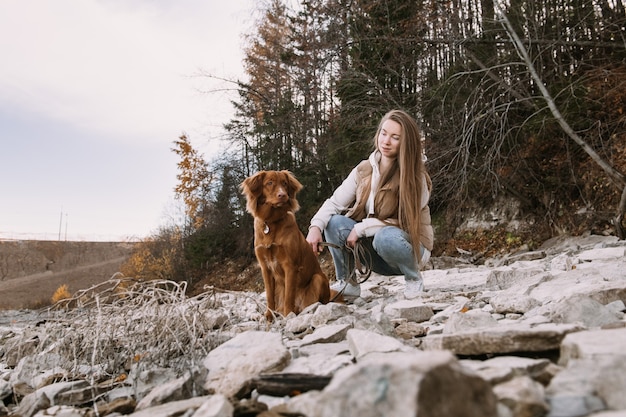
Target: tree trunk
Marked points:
619	219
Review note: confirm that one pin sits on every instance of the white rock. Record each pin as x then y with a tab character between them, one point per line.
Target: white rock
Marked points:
400	385
362	343
215	406
245	356
603	253
523	396
413	310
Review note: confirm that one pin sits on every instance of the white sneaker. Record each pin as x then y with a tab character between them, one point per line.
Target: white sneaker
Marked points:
413	288
350	291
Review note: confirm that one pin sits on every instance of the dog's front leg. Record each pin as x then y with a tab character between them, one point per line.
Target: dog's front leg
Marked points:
291	287
270	284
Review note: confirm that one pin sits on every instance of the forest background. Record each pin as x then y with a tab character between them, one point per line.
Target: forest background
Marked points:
520	101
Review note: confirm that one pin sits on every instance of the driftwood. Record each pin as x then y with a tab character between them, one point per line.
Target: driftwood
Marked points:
280	385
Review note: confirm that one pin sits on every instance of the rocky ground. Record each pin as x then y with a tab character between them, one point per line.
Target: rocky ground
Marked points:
538	333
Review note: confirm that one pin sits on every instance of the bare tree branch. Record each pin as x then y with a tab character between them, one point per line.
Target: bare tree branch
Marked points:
614	175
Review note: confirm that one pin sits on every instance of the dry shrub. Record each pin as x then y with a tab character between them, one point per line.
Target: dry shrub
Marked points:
61	293
125	322
124	326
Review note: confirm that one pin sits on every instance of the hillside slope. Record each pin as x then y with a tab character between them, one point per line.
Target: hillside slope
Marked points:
30	271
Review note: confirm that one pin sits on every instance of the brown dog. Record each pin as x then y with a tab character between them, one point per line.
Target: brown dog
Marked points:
292	275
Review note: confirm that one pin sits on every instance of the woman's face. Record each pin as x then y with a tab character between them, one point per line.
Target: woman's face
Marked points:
389	138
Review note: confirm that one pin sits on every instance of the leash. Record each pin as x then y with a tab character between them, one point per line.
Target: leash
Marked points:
361	269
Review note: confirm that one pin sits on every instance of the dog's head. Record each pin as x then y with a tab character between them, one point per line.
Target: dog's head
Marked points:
273	188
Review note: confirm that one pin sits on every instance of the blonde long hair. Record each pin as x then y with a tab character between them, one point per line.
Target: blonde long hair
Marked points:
410	164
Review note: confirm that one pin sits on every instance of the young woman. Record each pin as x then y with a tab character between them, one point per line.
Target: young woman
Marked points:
383	204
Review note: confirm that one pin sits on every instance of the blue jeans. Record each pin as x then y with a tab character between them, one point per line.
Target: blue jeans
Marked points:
390	250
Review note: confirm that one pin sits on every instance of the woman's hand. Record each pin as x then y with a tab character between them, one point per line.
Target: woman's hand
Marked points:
352	238
314	238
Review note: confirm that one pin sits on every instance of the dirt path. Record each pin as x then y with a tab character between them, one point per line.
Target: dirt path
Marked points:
33	290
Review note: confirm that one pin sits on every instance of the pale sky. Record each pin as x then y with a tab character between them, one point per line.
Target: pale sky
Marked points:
92	95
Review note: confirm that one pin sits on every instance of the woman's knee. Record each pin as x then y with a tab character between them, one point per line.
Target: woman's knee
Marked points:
338	228
392	242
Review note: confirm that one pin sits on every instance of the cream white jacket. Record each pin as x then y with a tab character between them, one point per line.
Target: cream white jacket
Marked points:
345	195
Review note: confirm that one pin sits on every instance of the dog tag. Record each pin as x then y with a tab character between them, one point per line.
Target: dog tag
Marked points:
266	229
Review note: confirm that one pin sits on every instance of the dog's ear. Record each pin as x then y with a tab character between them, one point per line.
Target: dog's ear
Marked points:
293	187
293	184
253	184
252	187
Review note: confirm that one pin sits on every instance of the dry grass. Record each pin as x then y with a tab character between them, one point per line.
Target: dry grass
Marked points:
122	323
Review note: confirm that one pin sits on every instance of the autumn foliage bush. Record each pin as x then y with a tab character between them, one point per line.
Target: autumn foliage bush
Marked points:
153	258
61	293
